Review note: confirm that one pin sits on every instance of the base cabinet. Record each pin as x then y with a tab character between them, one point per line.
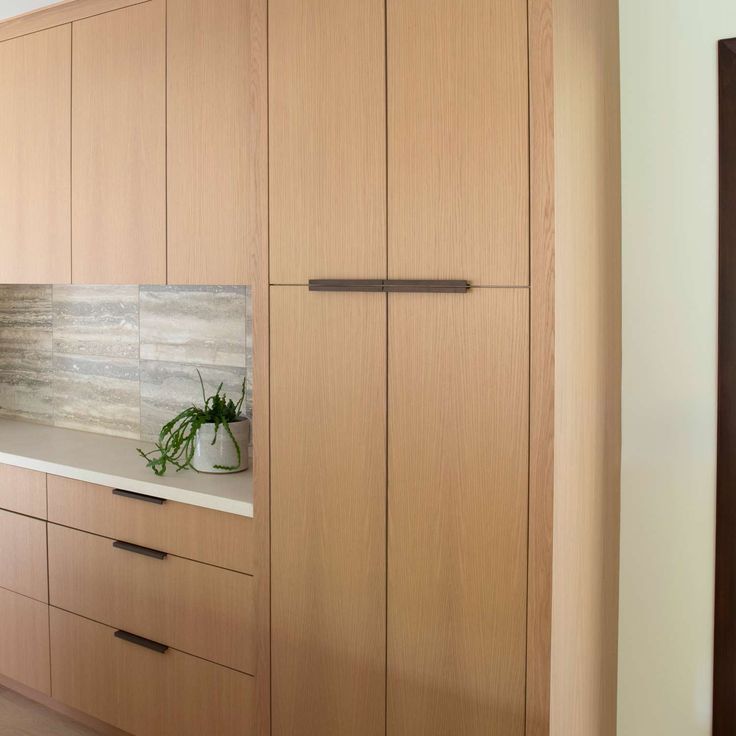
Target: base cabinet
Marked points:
23	555
145	592
145	692
94	648
24	641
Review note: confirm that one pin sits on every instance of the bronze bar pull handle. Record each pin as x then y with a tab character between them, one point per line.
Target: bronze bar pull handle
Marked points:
138	550
425	286
371	285
388	286
140	641
138	496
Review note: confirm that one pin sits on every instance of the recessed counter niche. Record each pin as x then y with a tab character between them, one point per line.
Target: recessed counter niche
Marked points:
98	555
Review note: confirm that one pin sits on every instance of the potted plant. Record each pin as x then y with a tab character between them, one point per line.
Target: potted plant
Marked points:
209	439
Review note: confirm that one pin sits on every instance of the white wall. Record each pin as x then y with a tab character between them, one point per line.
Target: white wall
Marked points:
9	8
670	240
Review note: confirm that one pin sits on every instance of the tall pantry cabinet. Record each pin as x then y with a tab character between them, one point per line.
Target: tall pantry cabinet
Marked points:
414	425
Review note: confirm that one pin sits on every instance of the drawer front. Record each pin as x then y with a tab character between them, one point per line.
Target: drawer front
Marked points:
23	555
203	610
142	691
23	491
24	641
200	534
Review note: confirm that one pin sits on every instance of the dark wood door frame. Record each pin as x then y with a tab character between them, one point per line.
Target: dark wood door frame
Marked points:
724	667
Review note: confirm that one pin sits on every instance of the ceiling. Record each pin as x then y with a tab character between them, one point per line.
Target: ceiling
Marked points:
9	8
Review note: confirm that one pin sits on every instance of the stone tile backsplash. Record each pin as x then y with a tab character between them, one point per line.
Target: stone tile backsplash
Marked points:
120	360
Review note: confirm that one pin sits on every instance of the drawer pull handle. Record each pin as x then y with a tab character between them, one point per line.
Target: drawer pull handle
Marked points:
138	496
140	641
392	286
137	549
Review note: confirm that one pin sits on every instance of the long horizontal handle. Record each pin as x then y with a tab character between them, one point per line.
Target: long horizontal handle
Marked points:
138	496
138	550
426	286
140	641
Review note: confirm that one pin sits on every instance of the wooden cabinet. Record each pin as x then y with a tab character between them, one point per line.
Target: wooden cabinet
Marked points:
35	139
119	147
205	613
24	641
458	140
216	81
128	588
214	537
327	140
142	691
328	418
458	437
23	491
23	555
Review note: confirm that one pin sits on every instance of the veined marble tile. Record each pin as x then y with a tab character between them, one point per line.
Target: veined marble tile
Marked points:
195	325
97	394
96	320
25	317
25	385
169	388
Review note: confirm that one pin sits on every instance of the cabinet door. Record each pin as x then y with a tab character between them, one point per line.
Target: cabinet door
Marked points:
24	641
328	513
457	499
327	139
23	556
35	139
217	175
458	140
119	147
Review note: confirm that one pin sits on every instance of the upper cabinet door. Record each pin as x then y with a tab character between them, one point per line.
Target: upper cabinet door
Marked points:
217	145
327	139
458	146
35	79
119	146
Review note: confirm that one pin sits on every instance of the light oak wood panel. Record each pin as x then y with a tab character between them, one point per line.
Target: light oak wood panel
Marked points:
327	139
261	379
23	556
35	139
588	369
141	691
328	430
196	608
214	537
24	640
458	140
23	491
216	91
119	147
542	365
457	502
73	719
58	14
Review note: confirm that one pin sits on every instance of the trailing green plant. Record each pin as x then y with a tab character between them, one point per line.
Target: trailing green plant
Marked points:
177	440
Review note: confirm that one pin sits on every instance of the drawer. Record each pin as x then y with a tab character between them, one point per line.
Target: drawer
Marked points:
203	610
24	641
23	555
145	692
200	534
23	491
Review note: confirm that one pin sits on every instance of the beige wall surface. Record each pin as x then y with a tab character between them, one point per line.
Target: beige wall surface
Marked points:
670	249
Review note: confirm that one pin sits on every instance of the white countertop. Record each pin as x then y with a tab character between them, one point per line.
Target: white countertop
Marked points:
114	462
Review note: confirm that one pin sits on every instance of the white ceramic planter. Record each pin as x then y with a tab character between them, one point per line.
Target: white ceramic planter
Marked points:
222	453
